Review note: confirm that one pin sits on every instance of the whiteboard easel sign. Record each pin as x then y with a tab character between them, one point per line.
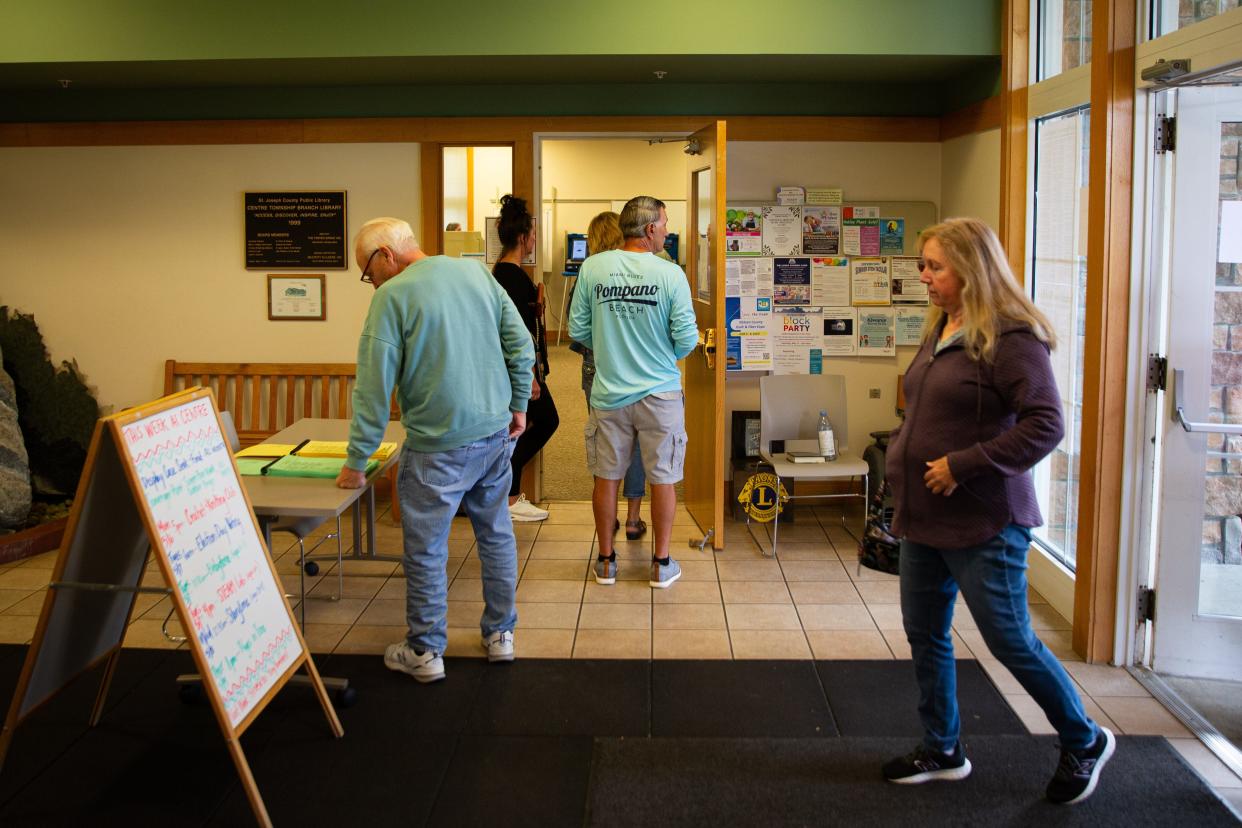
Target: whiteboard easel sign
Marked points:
218	564
1230	249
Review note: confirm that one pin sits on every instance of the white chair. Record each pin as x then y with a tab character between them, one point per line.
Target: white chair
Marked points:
789	406
301	528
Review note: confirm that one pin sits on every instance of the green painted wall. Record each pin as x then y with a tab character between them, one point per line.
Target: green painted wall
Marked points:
36	31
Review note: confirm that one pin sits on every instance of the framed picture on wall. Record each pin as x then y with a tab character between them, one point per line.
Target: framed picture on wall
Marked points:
745	435
298	297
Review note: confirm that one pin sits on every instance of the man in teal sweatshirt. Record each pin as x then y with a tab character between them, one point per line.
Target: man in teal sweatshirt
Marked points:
633	309
447	336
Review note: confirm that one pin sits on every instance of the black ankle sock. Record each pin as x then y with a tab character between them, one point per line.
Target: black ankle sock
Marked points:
661	561
610	558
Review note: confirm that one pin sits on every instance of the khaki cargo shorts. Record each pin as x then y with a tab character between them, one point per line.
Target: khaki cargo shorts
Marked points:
657	422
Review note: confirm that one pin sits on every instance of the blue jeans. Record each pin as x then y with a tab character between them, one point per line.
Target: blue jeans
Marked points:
431	486
635	480
992	577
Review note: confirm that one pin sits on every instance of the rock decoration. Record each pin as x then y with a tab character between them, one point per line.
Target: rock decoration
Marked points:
14	462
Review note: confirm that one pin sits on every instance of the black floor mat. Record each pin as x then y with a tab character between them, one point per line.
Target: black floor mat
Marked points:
880	698
738	698
837	782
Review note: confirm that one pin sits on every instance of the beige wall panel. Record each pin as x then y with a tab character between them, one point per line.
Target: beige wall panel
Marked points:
133	255
970	177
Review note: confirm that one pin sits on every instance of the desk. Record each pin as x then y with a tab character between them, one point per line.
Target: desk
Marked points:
318	497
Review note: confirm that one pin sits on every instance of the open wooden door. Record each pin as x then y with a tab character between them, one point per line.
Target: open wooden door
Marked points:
704	370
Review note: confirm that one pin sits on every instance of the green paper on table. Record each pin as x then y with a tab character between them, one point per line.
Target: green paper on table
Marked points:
293	465
251	466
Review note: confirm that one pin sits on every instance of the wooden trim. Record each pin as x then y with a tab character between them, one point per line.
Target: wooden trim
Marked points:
1015	78
1108	294
431	197
469	187
978	117
473	131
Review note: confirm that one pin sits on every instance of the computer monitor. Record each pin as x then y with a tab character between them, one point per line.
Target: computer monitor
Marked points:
575	246
670	246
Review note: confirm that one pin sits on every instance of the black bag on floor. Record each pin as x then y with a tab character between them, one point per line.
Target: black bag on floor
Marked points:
879	550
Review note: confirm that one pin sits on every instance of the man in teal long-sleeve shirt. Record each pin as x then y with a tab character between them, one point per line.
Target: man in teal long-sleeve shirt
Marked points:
633	309
447	336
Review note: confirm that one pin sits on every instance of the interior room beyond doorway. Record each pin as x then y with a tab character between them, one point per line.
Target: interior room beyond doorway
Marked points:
581	178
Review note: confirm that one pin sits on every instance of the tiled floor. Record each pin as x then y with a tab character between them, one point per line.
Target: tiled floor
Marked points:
815	602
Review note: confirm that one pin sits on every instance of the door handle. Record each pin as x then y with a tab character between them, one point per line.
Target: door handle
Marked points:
707	341
1180	413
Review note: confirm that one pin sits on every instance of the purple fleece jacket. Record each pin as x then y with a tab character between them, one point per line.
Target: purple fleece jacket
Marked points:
993	420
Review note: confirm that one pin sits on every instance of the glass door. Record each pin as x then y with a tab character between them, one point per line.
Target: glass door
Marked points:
1197	629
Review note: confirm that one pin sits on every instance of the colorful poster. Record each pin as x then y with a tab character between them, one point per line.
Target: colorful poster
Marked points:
743	234
782	231
875	332
860	237
797	341
840	327
830	281
869	281
748	342
821	231
907	287
791	281
910	325
892	236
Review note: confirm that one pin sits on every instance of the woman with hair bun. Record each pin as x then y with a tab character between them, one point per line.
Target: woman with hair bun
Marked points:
516	229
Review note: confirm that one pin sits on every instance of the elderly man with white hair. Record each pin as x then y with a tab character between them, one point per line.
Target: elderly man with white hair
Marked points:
447	336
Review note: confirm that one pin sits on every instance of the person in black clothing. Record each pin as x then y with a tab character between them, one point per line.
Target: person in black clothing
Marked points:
516	229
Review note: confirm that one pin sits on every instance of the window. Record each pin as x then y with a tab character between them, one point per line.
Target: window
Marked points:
1064	28
1058	287
1170	15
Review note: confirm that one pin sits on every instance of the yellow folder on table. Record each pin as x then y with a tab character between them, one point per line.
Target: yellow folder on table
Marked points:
295	465
313	448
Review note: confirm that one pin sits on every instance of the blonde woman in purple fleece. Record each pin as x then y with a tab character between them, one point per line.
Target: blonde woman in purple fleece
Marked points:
982	408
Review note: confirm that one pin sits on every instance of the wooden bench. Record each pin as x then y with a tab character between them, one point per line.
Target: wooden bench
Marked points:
265	397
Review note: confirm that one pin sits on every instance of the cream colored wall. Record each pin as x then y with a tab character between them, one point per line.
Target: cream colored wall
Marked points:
866	172
970	178
493	177
586	176
128	256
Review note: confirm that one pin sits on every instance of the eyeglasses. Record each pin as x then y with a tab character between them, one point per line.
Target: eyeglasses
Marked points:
366	277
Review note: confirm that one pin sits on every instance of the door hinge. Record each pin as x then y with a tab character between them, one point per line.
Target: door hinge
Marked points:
1157	373
1146	604
1166	134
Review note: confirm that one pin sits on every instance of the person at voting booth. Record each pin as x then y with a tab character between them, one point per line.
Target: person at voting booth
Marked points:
445	334
634	311
982	408
516	229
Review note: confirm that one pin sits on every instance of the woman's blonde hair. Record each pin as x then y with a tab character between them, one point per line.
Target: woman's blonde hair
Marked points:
604	233
990	294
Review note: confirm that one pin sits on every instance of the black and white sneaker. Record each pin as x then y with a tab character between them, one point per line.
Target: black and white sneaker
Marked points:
927	765
1079	770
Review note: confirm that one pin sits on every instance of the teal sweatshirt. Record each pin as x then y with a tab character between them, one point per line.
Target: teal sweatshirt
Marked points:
446	334
634	311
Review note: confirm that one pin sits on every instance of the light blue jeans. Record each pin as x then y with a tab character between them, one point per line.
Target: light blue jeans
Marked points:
431	486
992	578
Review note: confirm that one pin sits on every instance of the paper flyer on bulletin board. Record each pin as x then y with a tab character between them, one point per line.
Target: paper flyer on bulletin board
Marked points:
875	332
870	281
892	236
904	274
782	231
797	341
830	281
840	326
791	281
909	325
860	236
821	231
743	231
748	342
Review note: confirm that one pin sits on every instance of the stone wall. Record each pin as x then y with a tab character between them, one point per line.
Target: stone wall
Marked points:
1222	528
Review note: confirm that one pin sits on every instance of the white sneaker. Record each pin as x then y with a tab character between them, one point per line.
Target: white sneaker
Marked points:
426	668
499	646
525	511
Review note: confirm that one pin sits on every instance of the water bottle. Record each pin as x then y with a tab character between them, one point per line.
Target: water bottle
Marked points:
827	442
